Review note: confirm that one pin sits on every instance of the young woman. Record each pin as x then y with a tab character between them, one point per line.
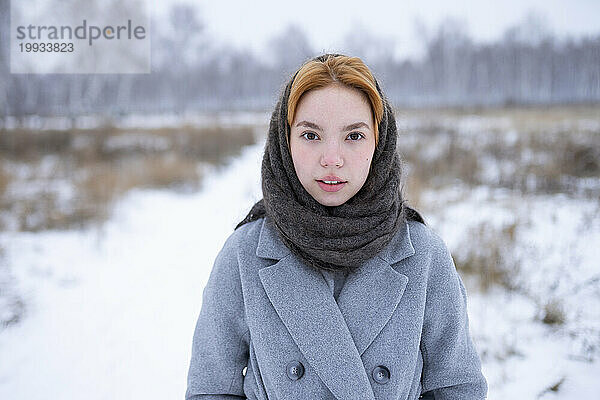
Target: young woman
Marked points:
331	287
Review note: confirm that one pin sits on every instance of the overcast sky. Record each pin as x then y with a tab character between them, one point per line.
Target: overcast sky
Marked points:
249	23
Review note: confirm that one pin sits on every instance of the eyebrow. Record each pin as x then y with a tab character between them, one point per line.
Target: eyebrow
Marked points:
350	127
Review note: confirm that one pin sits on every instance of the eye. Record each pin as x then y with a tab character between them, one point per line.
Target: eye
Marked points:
355	136
310	136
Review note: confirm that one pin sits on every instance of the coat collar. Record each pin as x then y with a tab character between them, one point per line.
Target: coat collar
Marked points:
269	243
333	336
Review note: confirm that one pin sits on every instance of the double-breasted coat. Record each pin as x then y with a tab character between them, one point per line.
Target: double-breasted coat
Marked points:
270	328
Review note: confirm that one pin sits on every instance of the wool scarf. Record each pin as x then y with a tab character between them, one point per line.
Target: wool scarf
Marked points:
332	237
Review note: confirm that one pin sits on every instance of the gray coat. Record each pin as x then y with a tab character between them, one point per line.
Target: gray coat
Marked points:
270	327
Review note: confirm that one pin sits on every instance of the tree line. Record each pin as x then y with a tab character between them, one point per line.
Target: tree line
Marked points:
190	72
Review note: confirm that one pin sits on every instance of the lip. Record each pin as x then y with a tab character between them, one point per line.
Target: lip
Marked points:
331	178
331	188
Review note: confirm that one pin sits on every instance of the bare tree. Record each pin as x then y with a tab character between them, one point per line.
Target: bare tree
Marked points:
373	49
528	64
290	48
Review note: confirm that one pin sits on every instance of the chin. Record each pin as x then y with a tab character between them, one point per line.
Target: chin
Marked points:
331	202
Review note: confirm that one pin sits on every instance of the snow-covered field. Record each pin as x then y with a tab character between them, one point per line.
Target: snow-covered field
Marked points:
110	310
553	264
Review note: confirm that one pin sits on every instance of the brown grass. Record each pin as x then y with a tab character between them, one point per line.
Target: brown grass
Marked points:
491	261
553	313
522	118
552	151
5	179
103	164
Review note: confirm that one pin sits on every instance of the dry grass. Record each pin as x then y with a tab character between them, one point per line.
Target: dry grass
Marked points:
5	179
492	262
521	118
548	150
553	313
209	143
12	306
97	166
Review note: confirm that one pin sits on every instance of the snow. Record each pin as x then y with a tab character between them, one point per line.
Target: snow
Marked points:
110	310
555	252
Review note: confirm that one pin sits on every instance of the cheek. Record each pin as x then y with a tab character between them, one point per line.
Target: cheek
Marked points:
301	160
365	165
365	160
294	153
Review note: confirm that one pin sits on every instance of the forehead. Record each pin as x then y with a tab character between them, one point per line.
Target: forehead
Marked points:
334	102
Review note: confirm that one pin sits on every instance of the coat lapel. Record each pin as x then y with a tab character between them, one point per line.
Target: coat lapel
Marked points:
371	294
368	300
309	312
333	336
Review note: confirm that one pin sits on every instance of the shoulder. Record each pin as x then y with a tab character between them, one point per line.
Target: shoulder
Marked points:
434	258
243	238
226	267
426	241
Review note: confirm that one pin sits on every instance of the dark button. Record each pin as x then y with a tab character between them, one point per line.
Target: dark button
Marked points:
294	370
381	374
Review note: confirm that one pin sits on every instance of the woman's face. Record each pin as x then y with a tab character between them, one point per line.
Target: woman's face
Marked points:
332	141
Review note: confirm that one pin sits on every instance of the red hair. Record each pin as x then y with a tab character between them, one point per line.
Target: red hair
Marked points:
348	71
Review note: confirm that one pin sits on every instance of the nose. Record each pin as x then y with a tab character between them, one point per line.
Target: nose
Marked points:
332	156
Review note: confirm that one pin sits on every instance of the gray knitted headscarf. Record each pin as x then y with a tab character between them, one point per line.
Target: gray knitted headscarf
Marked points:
332	237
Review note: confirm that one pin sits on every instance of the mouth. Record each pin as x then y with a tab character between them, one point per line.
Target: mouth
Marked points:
331	183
